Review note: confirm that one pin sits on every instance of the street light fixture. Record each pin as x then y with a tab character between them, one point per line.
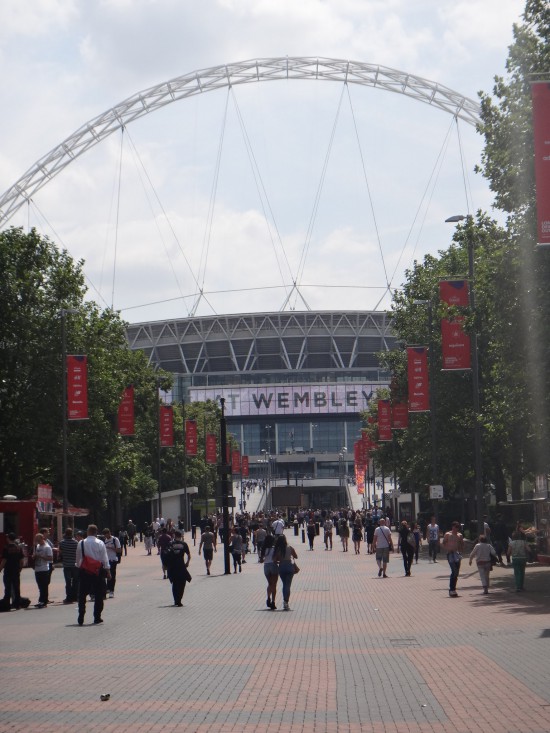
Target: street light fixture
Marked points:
433	424
63	313
475	374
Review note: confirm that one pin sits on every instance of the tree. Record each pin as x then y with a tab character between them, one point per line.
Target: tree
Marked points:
512	300
38	281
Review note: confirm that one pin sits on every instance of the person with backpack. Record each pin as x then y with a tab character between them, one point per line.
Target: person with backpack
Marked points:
178	574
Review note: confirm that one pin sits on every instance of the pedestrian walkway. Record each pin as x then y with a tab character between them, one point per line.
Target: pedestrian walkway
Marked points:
356	653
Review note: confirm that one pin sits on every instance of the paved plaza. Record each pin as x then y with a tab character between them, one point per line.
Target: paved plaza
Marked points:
354	653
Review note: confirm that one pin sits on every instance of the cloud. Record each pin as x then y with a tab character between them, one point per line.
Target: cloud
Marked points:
65	61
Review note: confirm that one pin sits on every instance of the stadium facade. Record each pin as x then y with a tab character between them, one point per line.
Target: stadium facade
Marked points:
294	384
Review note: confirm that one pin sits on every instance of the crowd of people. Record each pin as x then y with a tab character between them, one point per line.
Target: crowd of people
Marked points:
90	562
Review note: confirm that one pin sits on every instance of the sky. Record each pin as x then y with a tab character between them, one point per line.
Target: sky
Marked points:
240	192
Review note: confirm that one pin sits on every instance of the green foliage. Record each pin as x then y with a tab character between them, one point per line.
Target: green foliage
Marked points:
512	310
38	282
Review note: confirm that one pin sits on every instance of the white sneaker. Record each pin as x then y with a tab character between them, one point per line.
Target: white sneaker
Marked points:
111	594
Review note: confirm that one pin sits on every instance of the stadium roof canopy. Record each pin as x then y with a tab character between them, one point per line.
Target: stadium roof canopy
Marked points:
266	342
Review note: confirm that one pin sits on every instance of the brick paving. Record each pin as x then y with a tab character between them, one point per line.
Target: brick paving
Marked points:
356	653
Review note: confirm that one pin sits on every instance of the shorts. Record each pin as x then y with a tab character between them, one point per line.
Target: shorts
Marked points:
270	568
207	554
383	553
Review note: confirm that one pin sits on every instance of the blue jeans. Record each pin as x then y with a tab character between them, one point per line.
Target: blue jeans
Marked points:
71	575
286	573
455	569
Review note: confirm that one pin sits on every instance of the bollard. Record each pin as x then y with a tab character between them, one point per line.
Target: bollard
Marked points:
303	535
295	528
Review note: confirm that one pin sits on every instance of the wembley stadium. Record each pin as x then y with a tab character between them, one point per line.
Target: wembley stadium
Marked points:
294	384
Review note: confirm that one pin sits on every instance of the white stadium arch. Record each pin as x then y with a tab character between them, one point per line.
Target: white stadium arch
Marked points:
227	75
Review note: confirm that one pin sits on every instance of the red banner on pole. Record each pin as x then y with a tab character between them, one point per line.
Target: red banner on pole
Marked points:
211	448
417	371
454	292
166	426
384	420
77	387
235	462
359	465
191	438
455	344
368	444
126	412
244	467
541	133
400	416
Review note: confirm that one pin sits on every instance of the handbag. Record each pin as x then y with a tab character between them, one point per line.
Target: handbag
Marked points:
89	564
411	541
296	568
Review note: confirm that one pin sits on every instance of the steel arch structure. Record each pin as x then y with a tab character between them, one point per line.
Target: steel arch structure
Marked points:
227	75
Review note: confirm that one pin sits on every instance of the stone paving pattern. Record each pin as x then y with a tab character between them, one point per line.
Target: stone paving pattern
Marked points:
354	653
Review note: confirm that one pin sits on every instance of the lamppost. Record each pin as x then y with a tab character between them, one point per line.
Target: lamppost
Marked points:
63	313
475	371
342	474
268	428
428	304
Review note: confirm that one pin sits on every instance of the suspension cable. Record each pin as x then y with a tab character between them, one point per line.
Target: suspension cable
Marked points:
309	233
262	193
371	203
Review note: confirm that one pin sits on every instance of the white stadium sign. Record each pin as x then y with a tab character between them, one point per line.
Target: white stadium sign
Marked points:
310	399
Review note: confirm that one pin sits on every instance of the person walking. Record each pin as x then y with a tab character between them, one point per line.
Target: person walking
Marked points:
484	553
343	531
178	572
357	534
407	545
92	552
67	549
519	551
453	545
208	547
432	535
236	549
12	563
163	544
369	532
417	533
260	535
43	557
148	534
284	554
382	544
311	532
271	571
114	553
328	528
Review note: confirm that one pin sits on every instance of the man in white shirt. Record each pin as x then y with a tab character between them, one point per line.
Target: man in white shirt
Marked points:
432	535
278	527
90	583
382	544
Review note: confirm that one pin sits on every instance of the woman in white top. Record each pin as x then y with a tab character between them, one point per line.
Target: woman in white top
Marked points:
483	552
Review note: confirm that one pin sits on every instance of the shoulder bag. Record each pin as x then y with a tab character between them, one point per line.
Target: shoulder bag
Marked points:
89	564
